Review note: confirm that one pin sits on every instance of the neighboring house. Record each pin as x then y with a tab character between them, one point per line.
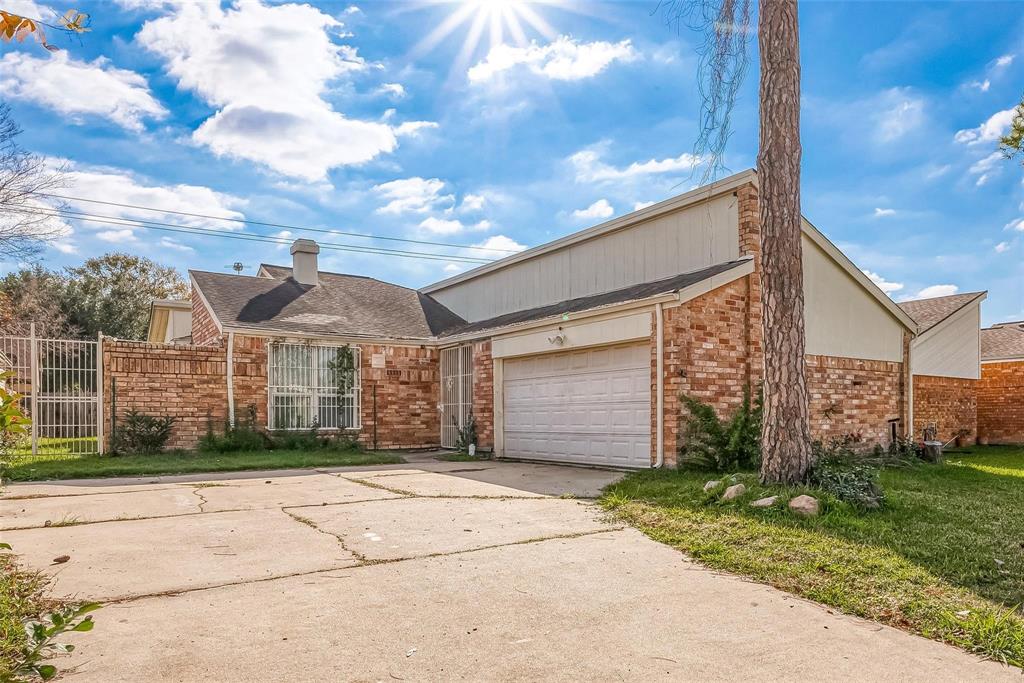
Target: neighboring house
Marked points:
170	322
573	351
1001	390
946	364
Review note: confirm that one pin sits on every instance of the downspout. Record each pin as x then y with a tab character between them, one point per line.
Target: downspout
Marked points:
910	391
231	379
660	365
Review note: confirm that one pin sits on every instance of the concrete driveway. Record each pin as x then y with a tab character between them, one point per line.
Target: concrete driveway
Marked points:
424	571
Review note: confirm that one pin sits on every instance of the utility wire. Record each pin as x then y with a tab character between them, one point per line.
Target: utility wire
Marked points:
225	234
269	225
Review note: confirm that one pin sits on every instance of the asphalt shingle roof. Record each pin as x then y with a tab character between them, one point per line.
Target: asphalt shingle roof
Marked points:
631	293
1002	341
928	313
342	305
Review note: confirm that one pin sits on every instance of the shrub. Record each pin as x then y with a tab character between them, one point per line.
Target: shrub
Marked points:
466	435
846	475
141	433
723	445
234	440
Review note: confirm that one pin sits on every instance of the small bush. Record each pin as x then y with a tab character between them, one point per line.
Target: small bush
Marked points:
142	434
466	435
723	445
236	439
312	440
846	475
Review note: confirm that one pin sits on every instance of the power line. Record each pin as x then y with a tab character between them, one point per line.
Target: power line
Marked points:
225	234
269	225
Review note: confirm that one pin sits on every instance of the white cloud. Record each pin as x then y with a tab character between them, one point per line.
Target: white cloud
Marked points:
590	168
413	128
903	115
599	209
266	69
881	213
451	268
396	90
443	226
117	236
65	247
643	205
564	59
883	284
989	131
472	202
169	243
77	88
987	164
500	242
937	290
1004	61
412	195
983	86
1003	247
1016	224
352	9
123	187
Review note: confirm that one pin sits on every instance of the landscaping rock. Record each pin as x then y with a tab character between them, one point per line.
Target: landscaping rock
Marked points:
734	491
804	505
711	484
765	502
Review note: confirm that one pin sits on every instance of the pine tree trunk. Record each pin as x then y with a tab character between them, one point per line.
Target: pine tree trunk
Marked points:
786	432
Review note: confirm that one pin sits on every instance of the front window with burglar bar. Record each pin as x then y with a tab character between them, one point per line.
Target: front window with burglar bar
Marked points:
305	389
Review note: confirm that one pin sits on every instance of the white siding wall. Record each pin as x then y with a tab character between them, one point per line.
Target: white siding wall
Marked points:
682	241
953	349
841	317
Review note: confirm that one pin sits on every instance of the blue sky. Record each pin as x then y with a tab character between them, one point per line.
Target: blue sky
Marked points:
353	117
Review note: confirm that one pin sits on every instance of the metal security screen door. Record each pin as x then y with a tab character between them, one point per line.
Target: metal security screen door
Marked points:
305	390
59	381
456	392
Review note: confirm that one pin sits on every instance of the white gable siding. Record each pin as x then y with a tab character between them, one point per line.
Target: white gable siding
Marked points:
685	240
952	348
841	317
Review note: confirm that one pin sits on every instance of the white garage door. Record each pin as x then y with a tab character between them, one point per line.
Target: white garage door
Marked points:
591	407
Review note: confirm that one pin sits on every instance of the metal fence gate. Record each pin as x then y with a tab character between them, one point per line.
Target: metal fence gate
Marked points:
61	385
456	392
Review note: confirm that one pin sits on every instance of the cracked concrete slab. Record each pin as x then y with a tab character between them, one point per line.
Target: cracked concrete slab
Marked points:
414	527
609	606
444	484
114	560
317	489
36	512
19	490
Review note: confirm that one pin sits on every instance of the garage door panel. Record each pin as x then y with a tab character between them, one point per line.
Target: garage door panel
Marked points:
587	407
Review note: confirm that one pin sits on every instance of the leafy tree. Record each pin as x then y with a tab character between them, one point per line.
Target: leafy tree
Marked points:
24	229
787	453
1012	144
112	294
34	295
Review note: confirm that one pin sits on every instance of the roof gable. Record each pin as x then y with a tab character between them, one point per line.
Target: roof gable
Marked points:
928	313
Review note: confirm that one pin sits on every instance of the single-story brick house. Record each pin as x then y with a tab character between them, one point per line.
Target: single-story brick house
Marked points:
946	364
573	351
1001	389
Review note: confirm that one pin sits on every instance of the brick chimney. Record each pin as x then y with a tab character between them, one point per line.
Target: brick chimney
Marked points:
304	266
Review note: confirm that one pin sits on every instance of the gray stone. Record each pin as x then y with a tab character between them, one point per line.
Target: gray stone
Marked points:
804	505
711	484
764	502
734	491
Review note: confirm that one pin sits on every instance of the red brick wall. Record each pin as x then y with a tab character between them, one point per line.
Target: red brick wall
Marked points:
408	391
1001	402
853	396
950	403
483	393
186	382
204	329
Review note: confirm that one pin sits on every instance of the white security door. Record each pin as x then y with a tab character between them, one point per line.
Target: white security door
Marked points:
591	407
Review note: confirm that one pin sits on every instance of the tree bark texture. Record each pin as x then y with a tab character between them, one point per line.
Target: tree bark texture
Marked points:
786	439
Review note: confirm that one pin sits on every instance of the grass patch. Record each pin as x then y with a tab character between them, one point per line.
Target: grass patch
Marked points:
22	597
944	558
94	466
460	457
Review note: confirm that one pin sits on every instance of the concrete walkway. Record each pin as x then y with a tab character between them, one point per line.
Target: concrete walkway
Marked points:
423	571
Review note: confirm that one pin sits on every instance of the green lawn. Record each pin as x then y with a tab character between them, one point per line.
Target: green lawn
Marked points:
944	558
460	457
92	466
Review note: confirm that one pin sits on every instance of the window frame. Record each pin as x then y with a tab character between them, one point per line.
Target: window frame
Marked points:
303	382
